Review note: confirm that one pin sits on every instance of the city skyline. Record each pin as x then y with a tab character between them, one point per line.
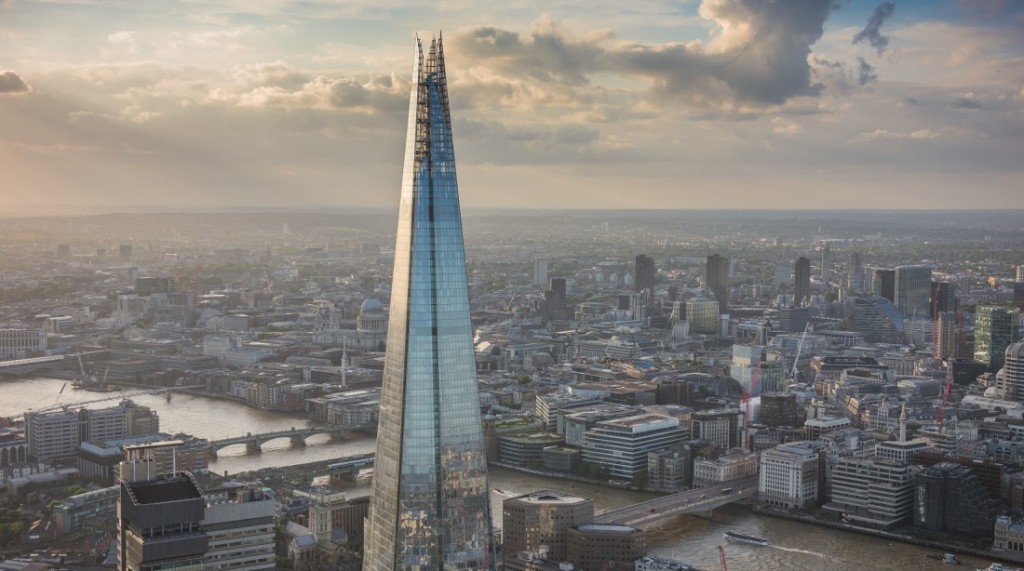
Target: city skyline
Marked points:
715	104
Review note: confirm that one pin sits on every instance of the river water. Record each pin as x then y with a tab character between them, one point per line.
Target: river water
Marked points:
794	546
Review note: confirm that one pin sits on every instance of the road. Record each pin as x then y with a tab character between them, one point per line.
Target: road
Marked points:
690	501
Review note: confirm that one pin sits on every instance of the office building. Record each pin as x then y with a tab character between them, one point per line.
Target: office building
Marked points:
1020	274
720	427
1010	379
942	299
554	307
855	272
601	547
159	517
52	436
239	523
621	444
801	281
645	273
716	278
124	252
703	317
995	328
877	319
950	500
543	518
540	272
913	290
21	343
946	342
872	493
146	286
429	506
788	475
883	284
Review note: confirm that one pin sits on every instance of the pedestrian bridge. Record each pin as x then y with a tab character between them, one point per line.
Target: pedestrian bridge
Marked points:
298	436
698	500
25	366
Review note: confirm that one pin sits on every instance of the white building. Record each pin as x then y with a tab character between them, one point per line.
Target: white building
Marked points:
239	523
622	444
735	465
20	343
873	493
788	475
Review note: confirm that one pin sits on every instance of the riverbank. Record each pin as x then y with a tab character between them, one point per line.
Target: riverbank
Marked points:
888	535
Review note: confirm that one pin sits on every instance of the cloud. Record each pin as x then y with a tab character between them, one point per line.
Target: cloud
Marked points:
967	101
872	31
865	72
756	55
884	134
11	82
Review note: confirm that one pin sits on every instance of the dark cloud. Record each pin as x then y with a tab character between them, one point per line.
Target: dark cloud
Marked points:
872	31
865	72
760	54
11	82
911	101
966	103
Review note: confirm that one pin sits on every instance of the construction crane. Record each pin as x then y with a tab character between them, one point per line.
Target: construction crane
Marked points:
940	414
799	349
721	558
57	400
746	403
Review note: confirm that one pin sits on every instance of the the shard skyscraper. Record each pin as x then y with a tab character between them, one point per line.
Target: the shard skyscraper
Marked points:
429	506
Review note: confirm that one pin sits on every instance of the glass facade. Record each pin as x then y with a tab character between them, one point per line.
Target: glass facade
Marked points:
429	507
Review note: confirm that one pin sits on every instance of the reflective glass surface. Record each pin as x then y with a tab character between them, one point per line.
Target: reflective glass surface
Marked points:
429	504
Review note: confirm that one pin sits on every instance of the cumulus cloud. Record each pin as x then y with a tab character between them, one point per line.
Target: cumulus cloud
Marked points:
967	101
757	54
872	31
884	134
11	82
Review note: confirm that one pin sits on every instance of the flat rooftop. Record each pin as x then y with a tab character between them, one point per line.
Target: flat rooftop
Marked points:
173	489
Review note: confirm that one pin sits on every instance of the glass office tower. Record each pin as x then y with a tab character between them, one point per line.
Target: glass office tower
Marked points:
429	506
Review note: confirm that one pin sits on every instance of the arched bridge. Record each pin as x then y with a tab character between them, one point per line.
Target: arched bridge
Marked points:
688	502
254	442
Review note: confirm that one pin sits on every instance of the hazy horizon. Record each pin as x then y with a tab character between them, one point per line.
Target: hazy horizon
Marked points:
111	106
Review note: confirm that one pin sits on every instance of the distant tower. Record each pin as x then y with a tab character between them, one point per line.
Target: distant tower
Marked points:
125	252
883	284
1010	381
1020	274
645	273
995	328
555	306
826	261
717	280
540	272
430	502
855	273
801	281
942	299
913	289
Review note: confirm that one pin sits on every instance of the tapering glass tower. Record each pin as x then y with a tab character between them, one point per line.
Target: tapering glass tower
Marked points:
429	506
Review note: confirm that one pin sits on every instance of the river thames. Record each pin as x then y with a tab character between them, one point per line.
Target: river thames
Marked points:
793	546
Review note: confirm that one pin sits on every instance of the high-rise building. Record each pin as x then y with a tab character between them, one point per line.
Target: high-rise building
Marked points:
826	261
540	272
159	517
645	273
717	280
542	518
883	283
1020	274
942	299
878	319
1010	380
429	506
947	337
239	523
995	328
555	306
703	316
913	289
855	272
801	281
125	252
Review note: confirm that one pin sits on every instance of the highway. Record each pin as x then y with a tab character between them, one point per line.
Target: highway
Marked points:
690	501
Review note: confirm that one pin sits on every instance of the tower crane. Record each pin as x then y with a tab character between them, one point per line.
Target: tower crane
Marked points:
721	558
799	349
940	414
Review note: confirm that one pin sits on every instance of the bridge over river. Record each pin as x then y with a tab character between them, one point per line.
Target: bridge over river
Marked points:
298	436
691	501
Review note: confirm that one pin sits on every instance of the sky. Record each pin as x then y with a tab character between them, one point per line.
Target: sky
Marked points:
185	105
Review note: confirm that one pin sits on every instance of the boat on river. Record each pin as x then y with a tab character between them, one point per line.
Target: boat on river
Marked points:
737	537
